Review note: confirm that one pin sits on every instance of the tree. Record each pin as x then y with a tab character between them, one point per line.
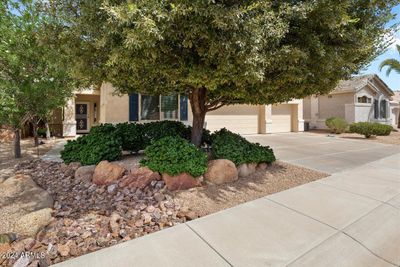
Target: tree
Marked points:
33	74
391	64
222	52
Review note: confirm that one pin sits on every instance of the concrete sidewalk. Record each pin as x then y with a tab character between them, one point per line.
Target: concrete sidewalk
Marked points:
54	153
351	218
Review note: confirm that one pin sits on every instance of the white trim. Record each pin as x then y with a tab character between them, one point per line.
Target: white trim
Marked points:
88	123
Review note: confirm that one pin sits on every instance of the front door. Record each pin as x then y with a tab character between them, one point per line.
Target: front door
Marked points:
81	117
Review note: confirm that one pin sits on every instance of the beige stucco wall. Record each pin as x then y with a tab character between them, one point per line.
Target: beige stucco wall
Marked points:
334	105
113	108
307	108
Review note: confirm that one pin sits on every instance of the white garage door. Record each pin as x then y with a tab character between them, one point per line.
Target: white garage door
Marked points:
281	118
242	119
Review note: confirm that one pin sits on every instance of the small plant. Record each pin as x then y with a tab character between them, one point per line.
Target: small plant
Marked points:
336	125
175	155
369	129
228	145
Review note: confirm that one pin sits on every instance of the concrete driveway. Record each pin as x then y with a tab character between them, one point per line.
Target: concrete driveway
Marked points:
324	153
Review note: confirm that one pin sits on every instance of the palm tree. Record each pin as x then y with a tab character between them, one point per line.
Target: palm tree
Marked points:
391	63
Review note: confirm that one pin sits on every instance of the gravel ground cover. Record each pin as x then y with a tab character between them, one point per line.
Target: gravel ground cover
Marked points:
88	217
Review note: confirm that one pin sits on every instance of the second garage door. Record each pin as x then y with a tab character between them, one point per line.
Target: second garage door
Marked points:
242	119
281	118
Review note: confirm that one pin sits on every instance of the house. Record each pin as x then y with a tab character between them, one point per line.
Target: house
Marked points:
91	107
362	98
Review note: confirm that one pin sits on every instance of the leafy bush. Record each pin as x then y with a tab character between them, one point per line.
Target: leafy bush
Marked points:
175	155
336	125
369	129
131	136
101	143
152	131
228	145
106	141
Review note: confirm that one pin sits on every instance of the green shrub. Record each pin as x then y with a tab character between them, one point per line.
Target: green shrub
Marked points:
228	145
336	125
369	129
175	155
106	128
101	143
131	136
152	131
105	142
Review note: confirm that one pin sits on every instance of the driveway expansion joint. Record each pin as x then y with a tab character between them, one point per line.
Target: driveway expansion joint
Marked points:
209	245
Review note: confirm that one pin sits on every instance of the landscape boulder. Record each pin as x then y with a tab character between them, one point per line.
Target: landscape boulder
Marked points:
106	173
246	169
85	173
20	196
221	171
139	178
31	223
262	166
181	181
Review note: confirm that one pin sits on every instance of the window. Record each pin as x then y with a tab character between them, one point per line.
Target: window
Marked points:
383	108
363	99
169	107
376	110
150	107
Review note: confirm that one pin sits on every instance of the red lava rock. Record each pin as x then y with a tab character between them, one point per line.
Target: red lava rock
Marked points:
180	182
140	178
88	217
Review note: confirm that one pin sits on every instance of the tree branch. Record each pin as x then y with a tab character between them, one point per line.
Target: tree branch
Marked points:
215	107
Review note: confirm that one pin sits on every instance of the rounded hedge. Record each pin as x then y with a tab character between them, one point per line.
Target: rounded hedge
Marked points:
175	155
100	144
228	145
336	125
369	129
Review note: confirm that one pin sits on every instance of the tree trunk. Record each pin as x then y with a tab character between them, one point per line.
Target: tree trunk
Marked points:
47	131
17	143
35	132
197	99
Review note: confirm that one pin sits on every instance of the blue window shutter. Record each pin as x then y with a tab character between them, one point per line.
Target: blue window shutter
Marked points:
183	108
133	107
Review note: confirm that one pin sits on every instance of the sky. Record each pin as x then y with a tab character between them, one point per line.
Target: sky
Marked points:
393	80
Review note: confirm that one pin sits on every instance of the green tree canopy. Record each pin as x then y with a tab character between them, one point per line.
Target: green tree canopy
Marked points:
222	52
33	72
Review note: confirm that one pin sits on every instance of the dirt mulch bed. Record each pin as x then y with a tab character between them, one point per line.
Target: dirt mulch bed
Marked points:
28	151
392	139
278	177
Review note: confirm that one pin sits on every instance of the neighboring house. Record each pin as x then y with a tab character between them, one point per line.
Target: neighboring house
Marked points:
362	98
92	107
